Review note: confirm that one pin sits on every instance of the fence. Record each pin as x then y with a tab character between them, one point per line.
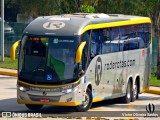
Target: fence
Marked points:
154	55
12	32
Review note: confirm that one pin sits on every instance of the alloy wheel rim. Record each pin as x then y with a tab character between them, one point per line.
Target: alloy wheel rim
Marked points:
86	102
128	92
135	91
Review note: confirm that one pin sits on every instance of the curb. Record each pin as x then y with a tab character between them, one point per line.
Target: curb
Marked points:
9	73
152	90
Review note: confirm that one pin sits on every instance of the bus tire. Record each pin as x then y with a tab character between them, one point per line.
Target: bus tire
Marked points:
33	107
127	97
134	92
87	104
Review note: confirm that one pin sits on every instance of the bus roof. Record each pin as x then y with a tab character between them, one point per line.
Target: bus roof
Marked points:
78	23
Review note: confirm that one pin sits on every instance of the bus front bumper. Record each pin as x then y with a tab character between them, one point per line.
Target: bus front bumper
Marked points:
27	94
48	103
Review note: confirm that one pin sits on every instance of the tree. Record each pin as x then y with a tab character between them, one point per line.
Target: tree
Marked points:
74	6
153	10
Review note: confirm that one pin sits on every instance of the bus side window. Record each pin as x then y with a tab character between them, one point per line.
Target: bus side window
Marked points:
85	37
124	36
141	43
132	44
95	43
147	34
106	43
115	39
133	31
133	40
140	32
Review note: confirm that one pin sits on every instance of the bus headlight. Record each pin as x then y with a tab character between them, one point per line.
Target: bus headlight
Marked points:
21	88
70	90
67	91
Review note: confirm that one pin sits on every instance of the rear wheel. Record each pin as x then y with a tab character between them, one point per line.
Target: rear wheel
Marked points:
134	92
87	103
34	107
127	97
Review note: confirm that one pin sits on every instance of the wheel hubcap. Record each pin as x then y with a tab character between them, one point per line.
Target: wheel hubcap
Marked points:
135	91
129	91
86	102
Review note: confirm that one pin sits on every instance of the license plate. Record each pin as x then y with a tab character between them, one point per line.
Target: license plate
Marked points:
44	100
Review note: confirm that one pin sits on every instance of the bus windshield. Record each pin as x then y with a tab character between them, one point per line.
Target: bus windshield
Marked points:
48	59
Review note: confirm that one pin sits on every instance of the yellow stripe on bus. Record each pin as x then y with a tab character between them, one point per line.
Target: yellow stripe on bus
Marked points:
97	99
115	24
49	86
49	103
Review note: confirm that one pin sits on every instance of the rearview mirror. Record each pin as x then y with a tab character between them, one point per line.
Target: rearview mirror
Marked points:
79	52
13	50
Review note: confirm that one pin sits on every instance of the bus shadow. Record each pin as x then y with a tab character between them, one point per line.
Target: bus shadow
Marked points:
106	103
11	105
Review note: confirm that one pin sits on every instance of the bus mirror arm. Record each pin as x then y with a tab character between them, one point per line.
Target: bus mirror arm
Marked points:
92	55
13	49
80	73
79	52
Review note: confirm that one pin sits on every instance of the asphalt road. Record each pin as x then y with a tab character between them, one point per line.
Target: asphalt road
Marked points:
108	108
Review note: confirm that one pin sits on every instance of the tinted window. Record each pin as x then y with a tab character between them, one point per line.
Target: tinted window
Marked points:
35	47
133	31
132	44
124	38
141	43
124	35
114	39
106	42
140	32
147	33
95	42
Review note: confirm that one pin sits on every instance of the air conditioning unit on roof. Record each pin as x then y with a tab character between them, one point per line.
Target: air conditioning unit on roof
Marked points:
93	16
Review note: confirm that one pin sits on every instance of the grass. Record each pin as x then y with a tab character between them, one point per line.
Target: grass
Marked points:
154	81
8	63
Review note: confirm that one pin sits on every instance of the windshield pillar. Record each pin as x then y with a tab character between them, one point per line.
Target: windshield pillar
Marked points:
86	52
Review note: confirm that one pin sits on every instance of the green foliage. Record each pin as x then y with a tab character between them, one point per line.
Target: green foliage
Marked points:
154	81
8	63
87	9
50	7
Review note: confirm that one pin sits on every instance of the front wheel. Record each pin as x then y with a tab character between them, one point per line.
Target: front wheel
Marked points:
34	107
87	103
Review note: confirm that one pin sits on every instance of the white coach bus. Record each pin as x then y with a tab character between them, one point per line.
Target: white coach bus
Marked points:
78	59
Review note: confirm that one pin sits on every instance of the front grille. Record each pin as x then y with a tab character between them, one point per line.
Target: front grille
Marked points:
52	99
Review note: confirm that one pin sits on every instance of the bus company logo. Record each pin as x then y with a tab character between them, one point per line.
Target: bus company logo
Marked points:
150	108
98	71
53	25
44	93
